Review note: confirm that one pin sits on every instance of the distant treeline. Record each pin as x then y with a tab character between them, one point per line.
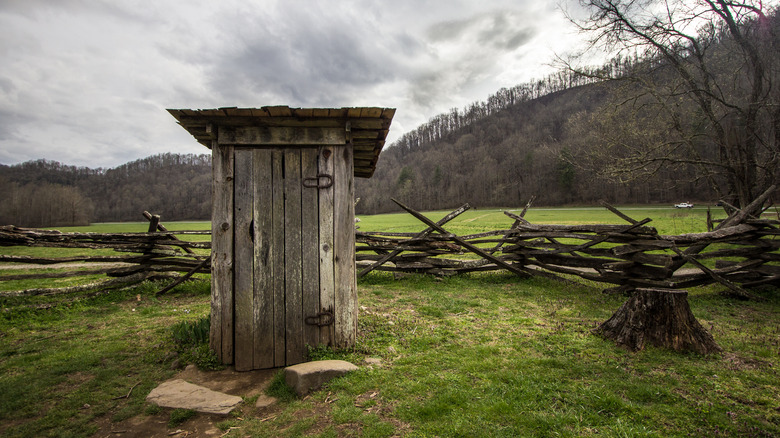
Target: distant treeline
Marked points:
46	193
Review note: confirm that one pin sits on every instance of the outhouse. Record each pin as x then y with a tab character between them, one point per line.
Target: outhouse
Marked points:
283	229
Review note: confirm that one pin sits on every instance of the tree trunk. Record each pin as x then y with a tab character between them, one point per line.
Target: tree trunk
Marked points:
661	318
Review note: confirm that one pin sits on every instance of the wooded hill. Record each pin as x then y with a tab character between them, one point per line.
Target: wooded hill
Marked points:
525	149
46	193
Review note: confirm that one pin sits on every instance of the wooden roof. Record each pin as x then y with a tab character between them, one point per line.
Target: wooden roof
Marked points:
369	126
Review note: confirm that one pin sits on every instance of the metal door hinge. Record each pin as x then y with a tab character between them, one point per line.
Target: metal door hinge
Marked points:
321	319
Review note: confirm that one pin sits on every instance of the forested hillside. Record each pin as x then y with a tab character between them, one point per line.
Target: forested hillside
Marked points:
46	193
512	152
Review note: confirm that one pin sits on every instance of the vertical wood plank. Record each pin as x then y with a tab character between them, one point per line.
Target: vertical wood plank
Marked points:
221	332
262	161
292	257
243	253
310	255
344	247
277	257
327	284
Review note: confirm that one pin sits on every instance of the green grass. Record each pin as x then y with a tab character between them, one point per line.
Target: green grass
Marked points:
476	355
667	220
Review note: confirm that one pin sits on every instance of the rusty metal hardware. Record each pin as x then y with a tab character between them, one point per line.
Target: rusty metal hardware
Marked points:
321	319
315	182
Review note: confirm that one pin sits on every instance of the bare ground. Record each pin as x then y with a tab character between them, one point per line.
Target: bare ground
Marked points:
242	384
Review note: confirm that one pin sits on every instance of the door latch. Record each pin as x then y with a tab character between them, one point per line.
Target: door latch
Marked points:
316	182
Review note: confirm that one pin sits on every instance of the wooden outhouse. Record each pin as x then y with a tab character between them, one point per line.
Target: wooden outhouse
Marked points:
283	230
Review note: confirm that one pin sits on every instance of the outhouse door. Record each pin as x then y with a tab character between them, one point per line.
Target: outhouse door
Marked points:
291	253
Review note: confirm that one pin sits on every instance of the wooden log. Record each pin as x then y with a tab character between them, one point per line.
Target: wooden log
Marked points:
184	277
116	283
455	213
521	271
58	260
661	318
162	228
711	236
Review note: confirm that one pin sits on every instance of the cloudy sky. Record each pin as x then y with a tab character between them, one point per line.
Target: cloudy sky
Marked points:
87	82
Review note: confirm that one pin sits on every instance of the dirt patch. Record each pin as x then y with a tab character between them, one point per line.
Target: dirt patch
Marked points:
229	381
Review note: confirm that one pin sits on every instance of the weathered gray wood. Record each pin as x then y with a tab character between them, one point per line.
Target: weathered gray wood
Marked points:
162	228
420	235
185	277
326	246
521	271
710	236
344	248
730	221
56	260
310	250
280	136
264	252
154	222
243	262
277	256
115	283
221	333
66	274
293	286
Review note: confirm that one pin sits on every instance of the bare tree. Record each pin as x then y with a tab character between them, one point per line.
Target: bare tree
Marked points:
707	70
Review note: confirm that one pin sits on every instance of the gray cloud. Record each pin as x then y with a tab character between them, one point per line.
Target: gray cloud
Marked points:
87	82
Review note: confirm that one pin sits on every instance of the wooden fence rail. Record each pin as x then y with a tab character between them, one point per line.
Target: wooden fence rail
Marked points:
740	252
156	254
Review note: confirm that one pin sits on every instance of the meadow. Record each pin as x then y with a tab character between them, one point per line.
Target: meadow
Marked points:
474	355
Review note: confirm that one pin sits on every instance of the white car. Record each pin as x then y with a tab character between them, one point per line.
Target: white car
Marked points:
683	205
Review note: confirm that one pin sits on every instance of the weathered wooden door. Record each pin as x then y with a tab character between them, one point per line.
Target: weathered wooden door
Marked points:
292	255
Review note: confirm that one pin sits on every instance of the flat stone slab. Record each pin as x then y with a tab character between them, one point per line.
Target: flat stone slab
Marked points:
184	395
310	376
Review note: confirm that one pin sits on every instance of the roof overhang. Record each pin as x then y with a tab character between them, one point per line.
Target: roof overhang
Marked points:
366	128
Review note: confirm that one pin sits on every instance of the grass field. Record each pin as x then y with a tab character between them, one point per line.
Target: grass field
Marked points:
477	355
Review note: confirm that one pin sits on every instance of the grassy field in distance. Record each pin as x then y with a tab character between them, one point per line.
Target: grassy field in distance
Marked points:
667	220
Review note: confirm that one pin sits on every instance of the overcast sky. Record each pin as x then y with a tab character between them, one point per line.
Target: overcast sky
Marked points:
87	82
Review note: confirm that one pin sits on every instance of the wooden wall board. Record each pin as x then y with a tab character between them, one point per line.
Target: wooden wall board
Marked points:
310	255
243	263
344	248
221	332
293	285
264	250
278	276
327	291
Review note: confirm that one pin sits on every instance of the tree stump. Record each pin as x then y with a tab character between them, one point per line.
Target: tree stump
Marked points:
661	318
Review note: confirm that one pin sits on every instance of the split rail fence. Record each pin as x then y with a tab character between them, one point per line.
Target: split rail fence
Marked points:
739	252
